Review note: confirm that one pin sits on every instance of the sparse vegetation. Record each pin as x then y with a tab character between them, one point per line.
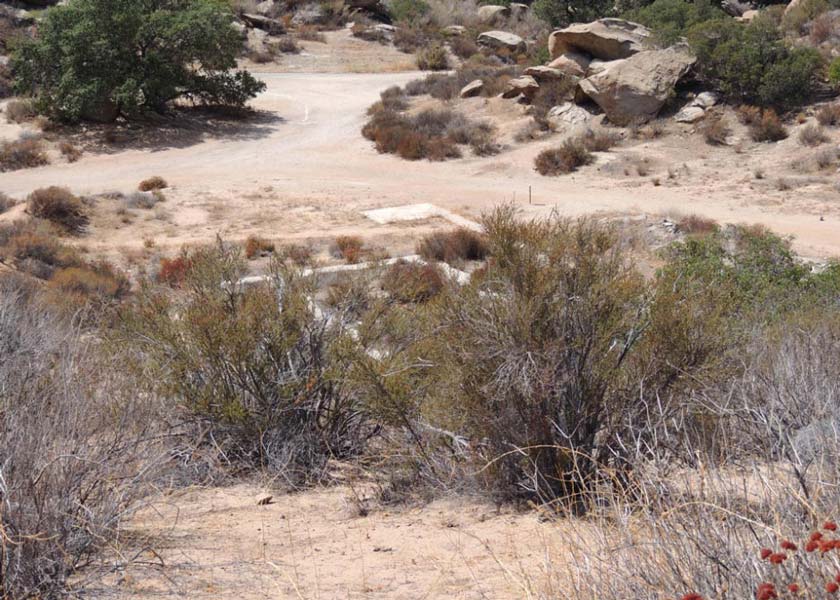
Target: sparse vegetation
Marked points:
829	115
412	282
20	111
433	58
349	248
256	247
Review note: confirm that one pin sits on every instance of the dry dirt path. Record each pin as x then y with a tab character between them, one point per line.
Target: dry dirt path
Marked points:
303	170
220	544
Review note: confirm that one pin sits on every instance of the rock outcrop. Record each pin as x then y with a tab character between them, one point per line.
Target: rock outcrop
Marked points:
521	86
568	116
572	63
497	40
636	88
606	39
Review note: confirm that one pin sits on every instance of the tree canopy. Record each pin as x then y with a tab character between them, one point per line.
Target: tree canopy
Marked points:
97	59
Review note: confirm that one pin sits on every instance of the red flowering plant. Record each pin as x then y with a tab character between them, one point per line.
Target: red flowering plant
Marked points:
810	572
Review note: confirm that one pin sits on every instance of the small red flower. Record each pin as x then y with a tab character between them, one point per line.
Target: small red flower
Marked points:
788	545
765	553
811	546
826	546
831	587
830	526
692	596
816	536
766	591
837	578
793	588
778	558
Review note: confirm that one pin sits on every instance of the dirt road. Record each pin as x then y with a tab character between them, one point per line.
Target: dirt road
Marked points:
302	169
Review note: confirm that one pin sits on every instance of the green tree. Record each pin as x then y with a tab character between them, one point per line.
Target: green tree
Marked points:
670	19
97	59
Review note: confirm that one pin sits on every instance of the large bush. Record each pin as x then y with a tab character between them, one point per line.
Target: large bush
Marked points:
100	58
258	380
670	19
752	64
560	13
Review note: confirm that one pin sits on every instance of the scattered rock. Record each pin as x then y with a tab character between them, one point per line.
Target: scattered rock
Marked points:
454	30
690	114
501	40
705	100
567	116
636	88
606	39
473	88
519	10
256	41
526	86
572	63
265	8
491	14
545	73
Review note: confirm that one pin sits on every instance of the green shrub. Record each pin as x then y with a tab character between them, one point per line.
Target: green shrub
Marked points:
671	19
409	11
752	64
260	381
559	13
834	72
156	52
449	247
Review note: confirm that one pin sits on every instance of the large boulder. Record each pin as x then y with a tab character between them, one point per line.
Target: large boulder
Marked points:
492	14
262	22
572	63
501	40
568	116
607	39
256	41
521	86
635	89
519	10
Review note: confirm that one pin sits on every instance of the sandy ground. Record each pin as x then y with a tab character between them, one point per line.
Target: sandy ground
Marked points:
301	170
219	543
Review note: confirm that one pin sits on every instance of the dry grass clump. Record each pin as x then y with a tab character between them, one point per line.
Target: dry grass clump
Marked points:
697	225
452	246
829	115
6	203
20	111
392	99
60	207
433	134
298	254
80	438
768	127
599	140
411	282
152	183
256	247
646	130
433	58
349	248
449	86
69	151
715	129
143	200
812	135
572	155
25	153
286	45
826	157
550	94
463	47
